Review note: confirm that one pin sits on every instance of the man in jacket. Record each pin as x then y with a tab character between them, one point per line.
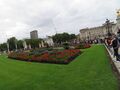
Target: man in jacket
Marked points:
115	45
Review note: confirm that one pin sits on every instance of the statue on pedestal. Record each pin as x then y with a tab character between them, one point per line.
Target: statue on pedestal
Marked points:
118	12
117	27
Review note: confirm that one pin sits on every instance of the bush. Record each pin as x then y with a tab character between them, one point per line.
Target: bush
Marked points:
66	46
40	51
81	46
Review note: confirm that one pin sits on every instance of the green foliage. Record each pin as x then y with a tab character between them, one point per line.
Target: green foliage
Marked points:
12	43
33	42
72	36
63	37
20	44
3	47
66	46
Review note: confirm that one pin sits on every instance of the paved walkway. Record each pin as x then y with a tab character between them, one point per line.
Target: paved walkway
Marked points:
116	63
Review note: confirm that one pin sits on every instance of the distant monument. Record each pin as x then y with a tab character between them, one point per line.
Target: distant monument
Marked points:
117	27
34	34
118	12
118	16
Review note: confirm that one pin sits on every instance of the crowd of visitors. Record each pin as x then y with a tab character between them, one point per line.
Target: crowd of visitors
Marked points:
113	43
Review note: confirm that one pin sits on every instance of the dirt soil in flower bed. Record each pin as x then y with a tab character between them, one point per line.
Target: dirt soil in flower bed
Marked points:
54	56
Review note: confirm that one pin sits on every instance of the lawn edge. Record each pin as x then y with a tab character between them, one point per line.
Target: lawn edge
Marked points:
113	66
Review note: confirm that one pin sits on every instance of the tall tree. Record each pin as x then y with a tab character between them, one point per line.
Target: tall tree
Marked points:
20	44
3	47
72	36
63	37
33	42
12	43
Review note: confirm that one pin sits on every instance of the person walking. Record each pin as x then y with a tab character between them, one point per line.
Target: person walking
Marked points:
115	45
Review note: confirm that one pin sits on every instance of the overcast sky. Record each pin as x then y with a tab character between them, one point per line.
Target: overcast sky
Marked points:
19	17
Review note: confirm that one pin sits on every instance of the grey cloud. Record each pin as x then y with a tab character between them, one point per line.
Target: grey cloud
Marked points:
19	17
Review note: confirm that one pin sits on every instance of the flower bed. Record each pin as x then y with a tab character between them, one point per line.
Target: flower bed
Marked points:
87	46
54	56
83	46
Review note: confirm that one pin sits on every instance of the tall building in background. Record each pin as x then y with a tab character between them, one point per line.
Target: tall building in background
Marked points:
34	34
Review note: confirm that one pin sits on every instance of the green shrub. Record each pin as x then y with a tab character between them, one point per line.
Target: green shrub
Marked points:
81	46
66	46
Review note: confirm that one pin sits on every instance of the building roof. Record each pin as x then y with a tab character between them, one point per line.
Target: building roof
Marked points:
86	29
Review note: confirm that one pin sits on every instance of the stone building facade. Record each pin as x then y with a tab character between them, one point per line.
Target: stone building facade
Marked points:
102	31
99	32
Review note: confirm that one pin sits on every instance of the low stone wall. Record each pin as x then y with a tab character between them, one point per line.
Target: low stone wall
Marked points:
115	64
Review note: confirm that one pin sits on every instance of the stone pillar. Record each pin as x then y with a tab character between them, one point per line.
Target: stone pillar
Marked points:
29	46
40	45
24	45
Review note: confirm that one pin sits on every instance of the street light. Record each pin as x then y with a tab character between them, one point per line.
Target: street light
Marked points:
108	27
8	46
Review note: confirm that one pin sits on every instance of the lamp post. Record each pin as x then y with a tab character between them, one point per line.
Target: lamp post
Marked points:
108	27
89	37
8	46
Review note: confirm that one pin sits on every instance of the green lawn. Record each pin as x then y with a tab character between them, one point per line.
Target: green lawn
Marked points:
90	71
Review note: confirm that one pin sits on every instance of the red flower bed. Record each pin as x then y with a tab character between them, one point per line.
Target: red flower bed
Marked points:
87	46
60	57
83	46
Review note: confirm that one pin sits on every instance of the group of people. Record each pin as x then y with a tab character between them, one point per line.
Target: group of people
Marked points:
113	44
